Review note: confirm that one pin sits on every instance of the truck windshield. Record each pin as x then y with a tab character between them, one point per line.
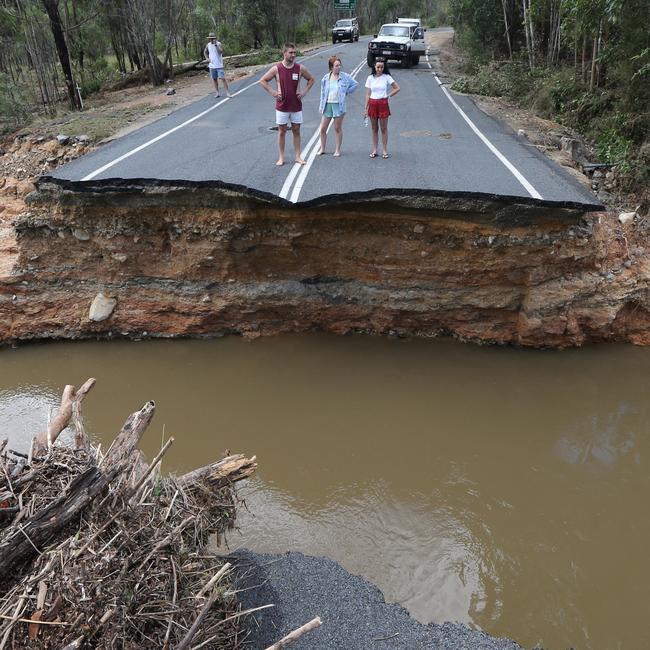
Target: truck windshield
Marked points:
394	30
343	23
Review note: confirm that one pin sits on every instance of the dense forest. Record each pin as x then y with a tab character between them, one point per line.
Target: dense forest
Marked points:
585	63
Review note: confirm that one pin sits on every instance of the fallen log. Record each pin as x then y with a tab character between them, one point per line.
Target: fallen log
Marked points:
140	77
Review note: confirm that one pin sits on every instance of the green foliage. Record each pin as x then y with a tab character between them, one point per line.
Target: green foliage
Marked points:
263	55
304	32
96	74
479	26
613	148
644	60
14	107
8	22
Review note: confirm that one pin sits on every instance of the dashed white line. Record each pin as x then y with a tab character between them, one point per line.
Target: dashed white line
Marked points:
511	168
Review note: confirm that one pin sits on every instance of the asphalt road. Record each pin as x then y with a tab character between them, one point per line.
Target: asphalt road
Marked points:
439	143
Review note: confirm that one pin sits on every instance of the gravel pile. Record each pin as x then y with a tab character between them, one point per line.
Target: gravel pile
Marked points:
354	613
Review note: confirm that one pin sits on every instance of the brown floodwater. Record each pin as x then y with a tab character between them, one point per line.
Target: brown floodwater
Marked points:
501	488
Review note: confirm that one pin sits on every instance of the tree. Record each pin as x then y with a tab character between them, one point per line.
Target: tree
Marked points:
52	10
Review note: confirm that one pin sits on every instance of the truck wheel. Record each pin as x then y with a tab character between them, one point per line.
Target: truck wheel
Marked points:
370	60
356	38
334	40
406	61
415	59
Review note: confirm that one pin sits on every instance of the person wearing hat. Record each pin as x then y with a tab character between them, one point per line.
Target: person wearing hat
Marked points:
214	54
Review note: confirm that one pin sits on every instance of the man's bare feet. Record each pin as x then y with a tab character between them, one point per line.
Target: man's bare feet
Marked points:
279	163
300	161
321	152
337	154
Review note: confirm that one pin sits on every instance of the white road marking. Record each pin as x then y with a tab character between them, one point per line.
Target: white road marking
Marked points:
511	168
309	153
128	154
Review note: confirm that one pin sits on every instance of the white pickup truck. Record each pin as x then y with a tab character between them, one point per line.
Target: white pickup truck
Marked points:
402	42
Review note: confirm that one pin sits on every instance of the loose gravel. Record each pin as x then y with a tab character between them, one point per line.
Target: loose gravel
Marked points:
353	611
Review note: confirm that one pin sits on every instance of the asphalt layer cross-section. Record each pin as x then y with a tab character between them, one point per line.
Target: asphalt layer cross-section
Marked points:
433	149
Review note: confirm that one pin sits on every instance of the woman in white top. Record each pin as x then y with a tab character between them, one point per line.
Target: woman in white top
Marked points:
379	87
335	86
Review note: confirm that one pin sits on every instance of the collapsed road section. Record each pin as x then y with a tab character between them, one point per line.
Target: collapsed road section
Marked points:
152	259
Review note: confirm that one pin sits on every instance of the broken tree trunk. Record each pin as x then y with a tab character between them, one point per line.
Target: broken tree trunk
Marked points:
227	470
60	421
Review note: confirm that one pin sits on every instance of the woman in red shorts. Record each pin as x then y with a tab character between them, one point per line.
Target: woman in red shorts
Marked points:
379	87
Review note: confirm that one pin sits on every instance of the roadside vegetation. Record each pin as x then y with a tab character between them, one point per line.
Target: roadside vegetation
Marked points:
582	63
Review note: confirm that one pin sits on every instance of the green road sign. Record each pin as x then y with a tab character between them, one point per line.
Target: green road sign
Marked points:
344	5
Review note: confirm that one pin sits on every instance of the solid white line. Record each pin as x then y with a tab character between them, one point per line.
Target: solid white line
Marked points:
511	168
128	154
310	156
297	166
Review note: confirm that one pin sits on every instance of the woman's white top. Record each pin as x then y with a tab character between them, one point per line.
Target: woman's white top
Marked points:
379	86
333	95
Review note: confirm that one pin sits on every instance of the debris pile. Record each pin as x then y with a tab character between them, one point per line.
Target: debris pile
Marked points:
100	550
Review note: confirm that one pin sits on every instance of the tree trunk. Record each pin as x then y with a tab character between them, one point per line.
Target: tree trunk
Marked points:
52	9
507	27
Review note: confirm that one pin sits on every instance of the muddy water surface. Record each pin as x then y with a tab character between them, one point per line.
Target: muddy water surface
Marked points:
505	489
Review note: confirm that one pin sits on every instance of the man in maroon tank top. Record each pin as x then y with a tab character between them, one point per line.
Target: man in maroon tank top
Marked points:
288	98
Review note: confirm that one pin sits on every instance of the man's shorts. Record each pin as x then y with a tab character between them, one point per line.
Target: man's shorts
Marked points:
284	118
217	73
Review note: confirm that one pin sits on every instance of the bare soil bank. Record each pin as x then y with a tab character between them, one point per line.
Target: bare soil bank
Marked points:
207	261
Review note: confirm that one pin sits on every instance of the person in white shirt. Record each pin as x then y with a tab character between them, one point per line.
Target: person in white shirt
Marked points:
379	87
214	53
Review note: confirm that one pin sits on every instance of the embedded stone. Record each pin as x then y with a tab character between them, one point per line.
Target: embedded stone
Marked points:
101	308
626	217
80	234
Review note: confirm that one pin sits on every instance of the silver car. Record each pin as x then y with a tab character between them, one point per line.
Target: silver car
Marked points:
346	29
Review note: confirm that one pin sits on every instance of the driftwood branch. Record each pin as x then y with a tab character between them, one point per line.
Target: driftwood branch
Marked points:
217	475
62	418
296	634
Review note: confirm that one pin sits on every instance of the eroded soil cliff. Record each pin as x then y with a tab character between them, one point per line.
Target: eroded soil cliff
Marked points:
201	261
